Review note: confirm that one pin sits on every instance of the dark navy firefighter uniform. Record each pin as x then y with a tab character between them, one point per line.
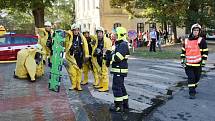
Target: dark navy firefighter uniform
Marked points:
119	70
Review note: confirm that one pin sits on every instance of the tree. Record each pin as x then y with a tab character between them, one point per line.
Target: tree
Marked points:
162	11
62	10
35	6
175	12
15	20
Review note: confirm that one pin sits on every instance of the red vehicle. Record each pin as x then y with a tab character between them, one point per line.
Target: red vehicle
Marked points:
10	44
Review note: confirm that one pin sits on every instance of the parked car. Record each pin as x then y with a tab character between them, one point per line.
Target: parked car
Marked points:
10	44
210	36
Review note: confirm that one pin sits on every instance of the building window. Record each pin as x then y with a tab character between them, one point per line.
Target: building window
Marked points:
140	27
116	25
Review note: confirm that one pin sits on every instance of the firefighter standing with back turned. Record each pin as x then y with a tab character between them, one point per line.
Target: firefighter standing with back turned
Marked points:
119	70
194	55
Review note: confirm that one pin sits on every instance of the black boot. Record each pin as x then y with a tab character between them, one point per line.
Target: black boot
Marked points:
117	107
192	95
192	92
125	105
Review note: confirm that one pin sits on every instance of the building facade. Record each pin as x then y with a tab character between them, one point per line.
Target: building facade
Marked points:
93	13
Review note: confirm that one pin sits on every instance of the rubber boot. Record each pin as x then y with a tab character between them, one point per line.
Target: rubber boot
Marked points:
73	82
118	107
84	82
125	105
79	86
192	92
100	85
79	82
104	88
96	82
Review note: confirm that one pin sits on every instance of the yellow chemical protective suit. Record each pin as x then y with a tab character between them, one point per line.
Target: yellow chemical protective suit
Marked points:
27	65
2	30
101	73
43	37
75	73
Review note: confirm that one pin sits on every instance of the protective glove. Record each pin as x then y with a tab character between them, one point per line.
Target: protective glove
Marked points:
203	63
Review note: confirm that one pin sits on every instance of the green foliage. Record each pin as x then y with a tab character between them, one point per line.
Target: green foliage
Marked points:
20	16
16	20
179	12
63	11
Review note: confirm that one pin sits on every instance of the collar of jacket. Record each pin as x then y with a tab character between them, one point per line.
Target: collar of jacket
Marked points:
192	37
119	41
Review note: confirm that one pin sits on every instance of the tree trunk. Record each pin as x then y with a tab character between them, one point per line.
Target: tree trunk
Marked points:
165	26
38	16
174	32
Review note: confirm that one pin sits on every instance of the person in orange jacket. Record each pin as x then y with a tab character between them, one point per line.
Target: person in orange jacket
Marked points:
194	55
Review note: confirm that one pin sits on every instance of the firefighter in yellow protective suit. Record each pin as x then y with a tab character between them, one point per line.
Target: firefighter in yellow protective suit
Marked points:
87	66
100	68
2	30
76	53
30	63
45	40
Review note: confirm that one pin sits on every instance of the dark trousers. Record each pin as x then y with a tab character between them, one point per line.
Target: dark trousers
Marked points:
118	86
194	74
153	45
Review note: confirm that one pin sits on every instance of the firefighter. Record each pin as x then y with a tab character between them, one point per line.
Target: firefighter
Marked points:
30	63
45	39
100	68
76	52
2	30
87	66
194	55
119	70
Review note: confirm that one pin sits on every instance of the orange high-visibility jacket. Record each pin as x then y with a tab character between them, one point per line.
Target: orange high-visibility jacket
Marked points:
193	53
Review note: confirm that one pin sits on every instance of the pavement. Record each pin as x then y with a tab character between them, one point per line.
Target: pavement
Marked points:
181	108
149	84
21	100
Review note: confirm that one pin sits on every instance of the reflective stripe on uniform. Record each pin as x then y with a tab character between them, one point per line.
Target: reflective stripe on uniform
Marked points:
119	55
192	64
183	48
182	54
191	85
194	61
126	56
205	55
205	49
113	58
191	57
118	98
125	97
119	70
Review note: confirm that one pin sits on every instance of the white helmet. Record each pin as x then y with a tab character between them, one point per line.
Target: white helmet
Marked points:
99	29
75	26
85	30
48	24
195	26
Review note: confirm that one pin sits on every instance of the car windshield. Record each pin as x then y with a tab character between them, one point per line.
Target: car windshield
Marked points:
23	40
4	40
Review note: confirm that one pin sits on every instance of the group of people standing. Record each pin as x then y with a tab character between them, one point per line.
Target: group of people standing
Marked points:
85	53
